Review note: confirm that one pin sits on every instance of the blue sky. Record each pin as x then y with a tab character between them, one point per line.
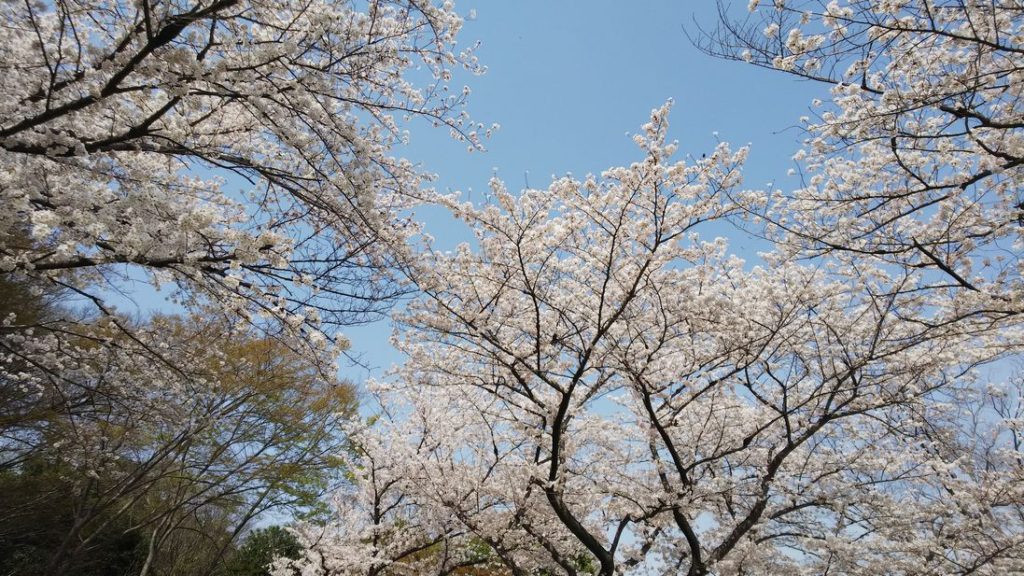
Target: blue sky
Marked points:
568	80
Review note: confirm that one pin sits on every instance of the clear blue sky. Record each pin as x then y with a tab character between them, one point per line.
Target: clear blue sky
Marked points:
567	80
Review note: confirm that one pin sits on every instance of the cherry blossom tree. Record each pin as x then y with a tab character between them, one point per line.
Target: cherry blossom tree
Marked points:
916	159
238	149
242	153
594	388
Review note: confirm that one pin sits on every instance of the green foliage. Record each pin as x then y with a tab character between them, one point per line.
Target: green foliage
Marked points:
39	505
258	550
123	468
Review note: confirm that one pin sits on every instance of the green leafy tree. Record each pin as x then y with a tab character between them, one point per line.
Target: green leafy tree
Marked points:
111	461
258	550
